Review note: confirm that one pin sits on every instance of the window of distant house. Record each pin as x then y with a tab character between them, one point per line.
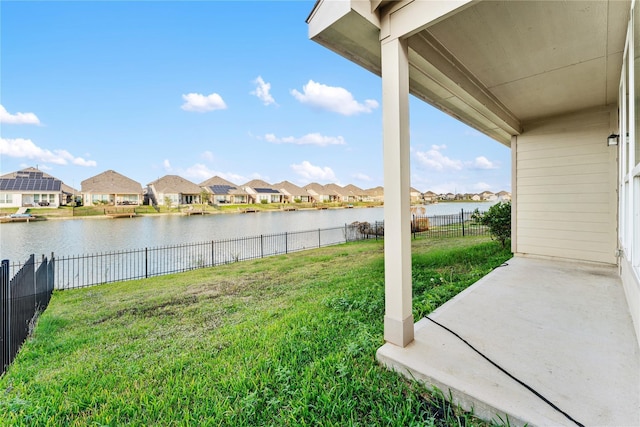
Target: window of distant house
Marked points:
6	198
99	198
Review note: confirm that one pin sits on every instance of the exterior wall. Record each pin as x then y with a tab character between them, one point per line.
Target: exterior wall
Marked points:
16	200
566	182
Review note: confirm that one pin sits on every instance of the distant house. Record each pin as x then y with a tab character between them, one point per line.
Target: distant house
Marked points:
430	197
292	193
174	190
260	191
31	187
336	193
354	193
320	193
111	188
476	197
415	195
488	196
375	194
222	191
503	196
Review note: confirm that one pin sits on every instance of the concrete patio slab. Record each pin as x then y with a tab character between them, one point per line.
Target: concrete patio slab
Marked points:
562	328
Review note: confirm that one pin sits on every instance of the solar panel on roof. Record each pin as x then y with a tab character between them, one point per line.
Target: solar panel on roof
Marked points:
266	190
30	184
221	189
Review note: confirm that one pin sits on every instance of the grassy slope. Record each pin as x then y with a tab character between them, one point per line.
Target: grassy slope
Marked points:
288	340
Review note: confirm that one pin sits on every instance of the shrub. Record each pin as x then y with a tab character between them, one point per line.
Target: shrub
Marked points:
498	219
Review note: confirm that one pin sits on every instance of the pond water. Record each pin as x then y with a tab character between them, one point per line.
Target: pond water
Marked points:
95	235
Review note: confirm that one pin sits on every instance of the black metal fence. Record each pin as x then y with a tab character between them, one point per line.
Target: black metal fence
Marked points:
78	271
87	270
454	225
21	297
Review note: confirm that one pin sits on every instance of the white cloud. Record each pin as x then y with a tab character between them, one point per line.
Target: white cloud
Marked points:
480	187
361	177
314	173
18	118
200	172
167	165
332	98
201	103
262	91
434	159
483	163
25	148
308	139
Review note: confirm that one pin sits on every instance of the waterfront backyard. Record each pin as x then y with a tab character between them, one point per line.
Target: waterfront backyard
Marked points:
286	340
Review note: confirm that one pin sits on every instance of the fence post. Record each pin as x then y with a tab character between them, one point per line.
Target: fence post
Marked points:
146	263
319	241
213	258
261	246
413	225
462	220
5	316
286	242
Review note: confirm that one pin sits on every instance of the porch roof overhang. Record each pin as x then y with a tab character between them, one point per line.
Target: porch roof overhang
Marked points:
494	65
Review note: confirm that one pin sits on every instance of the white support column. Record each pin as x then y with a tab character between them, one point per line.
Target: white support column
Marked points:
398	319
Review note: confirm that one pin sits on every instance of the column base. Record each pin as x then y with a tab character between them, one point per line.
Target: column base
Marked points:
398	332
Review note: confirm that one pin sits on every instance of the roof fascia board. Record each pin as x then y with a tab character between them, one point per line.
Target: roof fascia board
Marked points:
328	12
409	17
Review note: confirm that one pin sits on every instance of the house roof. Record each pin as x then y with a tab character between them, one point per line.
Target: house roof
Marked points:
353	190
335	190
375	192
315	188
260	186
110	182
30	179
216	180
175	184
257	183
495	65
290	189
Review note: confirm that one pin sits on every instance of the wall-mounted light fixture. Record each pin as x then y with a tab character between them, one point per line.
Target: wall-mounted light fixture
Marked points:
612	139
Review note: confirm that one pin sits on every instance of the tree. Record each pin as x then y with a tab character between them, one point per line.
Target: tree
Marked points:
498	219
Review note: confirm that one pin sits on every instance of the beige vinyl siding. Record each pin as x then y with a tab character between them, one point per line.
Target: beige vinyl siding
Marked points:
566	188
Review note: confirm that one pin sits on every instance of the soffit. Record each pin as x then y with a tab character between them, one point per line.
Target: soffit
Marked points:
539	58
496	64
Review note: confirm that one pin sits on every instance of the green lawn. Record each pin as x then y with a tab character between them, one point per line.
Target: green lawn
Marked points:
286	340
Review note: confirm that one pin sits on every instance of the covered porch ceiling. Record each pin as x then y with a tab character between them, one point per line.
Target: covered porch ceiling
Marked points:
494	65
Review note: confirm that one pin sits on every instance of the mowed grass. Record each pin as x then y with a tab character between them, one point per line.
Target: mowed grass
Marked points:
287	340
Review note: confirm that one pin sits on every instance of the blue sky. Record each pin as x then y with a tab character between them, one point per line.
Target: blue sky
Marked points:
197	89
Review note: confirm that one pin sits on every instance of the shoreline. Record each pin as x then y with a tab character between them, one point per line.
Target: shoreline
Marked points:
240	210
